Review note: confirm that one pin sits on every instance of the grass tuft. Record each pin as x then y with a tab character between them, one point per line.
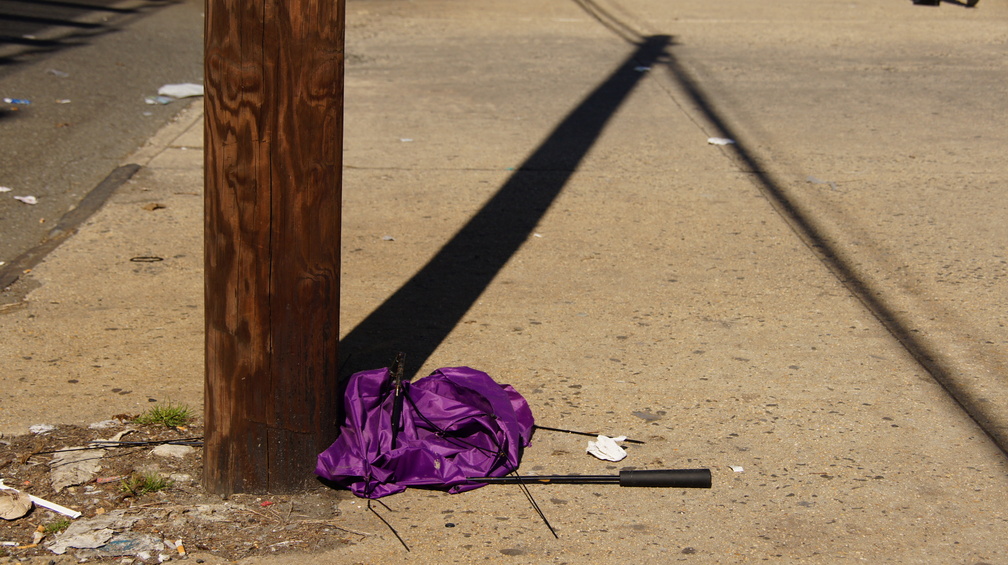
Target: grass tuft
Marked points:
169	415
57	526
138	484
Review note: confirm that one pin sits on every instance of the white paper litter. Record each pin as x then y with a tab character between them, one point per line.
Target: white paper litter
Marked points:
27	199
607	448
41	428
737	468
69	468
90	533
183	90
720	141
5	189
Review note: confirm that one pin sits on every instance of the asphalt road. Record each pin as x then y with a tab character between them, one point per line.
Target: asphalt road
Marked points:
86	66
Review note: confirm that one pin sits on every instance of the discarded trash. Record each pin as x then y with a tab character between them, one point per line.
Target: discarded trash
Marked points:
91	532
814	180
57	73
27	199
737	468
607	448
405	139
435	432
70	468
77	465
642	69
720	141
183	90
63	101
14	504
159	99
38	535
20	101
388	238
39	429
5	189
126	543
45	503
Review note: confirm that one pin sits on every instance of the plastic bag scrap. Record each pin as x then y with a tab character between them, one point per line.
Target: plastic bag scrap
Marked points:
184	90
607	448
455	423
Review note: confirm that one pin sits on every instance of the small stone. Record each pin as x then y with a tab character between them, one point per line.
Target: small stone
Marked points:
177	451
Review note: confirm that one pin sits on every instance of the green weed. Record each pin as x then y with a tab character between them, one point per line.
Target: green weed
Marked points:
138	484
57	526
169	415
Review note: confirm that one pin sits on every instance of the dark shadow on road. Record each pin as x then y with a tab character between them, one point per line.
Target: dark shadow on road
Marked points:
418	316
804	225
36	27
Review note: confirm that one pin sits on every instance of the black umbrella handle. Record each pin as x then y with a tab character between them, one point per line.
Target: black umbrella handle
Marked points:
667	478
674	478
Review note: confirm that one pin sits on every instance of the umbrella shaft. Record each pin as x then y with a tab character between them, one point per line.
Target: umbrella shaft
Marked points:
672	478
551	479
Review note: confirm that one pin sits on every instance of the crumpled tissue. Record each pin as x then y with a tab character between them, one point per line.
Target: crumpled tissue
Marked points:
607	448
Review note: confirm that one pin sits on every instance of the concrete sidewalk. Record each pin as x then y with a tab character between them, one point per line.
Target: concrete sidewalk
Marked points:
529	190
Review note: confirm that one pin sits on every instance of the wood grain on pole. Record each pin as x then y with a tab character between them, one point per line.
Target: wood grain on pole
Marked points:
273	139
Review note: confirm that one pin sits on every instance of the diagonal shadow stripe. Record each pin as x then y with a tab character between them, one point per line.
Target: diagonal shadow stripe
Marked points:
418	316
980	410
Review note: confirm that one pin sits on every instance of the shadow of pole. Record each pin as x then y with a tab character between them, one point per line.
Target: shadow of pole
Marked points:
418	316
982	412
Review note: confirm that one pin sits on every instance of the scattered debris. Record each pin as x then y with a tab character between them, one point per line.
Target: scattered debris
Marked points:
159	100
39	429
607	448
57	73
183	512
642	69
77	465
27	199
45	503
182	90
737	468
720	141
90	533
5	189
18	101
105	424
14	504
814	180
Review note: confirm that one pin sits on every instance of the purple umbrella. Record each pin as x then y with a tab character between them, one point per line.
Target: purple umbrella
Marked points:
455	423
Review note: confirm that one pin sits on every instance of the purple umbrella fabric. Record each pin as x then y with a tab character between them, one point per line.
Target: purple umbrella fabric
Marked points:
456	423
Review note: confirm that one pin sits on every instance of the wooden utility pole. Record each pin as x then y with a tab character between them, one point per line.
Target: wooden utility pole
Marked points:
273	138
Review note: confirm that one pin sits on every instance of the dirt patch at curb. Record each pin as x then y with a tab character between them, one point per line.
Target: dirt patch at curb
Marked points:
210	528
